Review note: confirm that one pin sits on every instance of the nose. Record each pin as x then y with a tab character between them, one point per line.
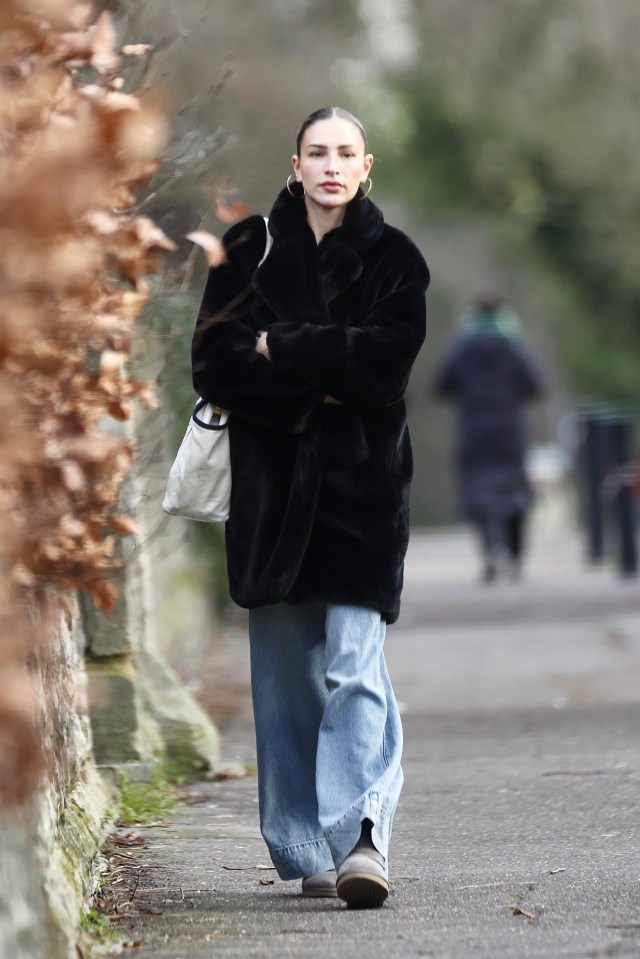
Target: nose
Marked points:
332	165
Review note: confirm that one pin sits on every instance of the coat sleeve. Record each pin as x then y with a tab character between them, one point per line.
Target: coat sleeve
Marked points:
529	381
367	363
226	368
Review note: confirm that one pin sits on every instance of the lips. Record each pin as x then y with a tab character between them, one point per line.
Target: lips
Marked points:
331	185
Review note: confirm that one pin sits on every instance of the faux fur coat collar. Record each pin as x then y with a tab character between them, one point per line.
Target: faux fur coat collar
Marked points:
316	274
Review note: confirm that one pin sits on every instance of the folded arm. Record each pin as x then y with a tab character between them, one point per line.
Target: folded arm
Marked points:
364	365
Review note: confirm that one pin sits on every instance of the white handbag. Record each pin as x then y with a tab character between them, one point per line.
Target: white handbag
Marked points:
199	482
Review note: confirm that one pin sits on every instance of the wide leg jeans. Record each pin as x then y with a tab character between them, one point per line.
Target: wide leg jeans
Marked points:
328	732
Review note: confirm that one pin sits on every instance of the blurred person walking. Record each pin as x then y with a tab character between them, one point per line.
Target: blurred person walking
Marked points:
311	351
490	376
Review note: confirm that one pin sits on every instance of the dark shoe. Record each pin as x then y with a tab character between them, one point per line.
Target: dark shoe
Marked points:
489	572
362	882
323	884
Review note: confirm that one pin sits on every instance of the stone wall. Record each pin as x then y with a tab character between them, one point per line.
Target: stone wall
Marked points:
140	711
48	845
109	701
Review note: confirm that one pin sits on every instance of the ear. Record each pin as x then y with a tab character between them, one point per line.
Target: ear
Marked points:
368	163
295	160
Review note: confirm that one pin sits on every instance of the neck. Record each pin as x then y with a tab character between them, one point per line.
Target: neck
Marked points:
323	220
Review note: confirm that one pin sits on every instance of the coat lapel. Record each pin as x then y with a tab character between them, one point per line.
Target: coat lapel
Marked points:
299	279
288	281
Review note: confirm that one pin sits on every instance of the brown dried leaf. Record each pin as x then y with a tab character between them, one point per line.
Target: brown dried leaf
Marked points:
230	212
103	42
151	236
128	839
148	398
104	594
123	525
92	92
114	102
212	246
73	476
79	14
133	302
76	45
120	411
112	362
21	575
136	49
102	222
95	447
71	526
50	551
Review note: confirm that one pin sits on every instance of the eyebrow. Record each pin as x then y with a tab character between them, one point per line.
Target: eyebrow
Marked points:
323	146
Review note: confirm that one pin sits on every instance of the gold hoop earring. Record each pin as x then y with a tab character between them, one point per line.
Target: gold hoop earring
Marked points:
290	191
369	188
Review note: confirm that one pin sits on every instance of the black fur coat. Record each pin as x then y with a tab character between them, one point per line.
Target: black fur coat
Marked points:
320	498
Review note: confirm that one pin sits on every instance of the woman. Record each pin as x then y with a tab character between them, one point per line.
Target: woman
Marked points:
311	351
490	376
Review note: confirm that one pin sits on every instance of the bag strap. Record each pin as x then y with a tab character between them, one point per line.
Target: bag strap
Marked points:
268	241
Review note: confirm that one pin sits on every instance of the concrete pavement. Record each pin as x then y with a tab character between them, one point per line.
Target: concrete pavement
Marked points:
518	833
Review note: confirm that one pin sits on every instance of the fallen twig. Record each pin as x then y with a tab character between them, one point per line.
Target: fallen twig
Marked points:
577	772
519	911
246	868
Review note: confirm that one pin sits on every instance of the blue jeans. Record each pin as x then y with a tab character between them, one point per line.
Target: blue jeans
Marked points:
328	732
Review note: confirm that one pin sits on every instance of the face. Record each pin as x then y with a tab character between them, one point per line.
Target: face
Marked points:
332	162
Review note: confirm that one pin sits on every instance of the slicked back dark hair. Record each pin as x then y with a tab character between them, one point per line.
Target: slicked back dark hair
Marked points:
325	113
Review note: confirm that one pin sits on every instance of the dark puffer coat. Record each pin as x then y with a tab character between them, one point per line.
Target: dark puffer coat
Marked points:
490	377
320	499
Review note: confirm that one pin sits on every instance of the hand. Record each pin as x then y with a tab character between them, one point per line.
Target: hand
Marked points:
261	344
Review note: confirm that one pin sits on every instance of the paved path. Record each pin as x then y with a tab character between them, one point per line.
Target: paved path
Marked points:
518	834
